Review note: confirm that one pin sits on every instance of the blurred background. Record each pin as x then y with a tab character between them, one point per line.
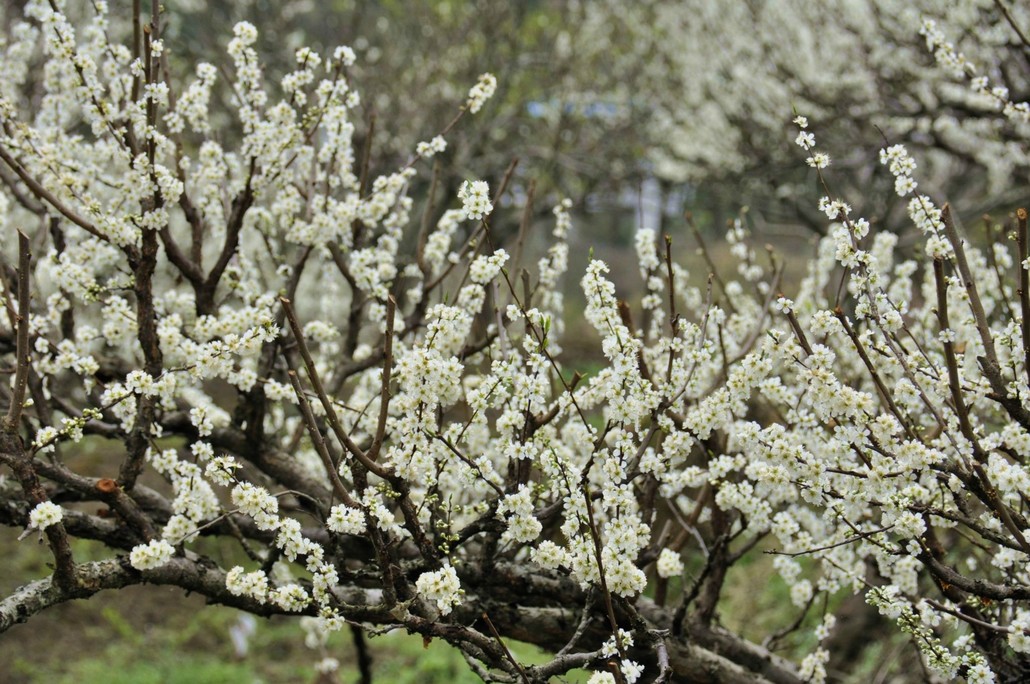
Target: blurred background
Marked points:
674	116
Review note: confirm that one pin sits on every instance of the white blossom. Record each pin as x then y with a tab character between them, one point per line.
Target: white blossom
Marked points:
482	91
151	555
441	586
475	198
44	514
669	564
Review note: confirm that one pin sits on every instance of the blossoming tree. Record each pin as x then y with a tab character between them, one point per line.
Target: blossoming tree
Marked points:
260	344
719	79
596	96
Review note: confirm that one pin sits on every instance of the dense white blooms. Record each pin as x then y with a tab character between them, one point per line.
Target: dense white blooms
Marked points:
291	598
250	584
549	555
901	166
178	529
441	586
517	510
482	91
813	667
151	555
948	57
631	670
819	160
291	351
44	514
258	503
669	564
427	150
475	199
1019	635
485	268
345	55
345	520
220	470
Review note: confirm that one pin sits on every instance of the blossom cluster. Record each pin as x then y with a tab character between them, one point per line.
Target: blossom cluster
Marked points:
441	586
44	515
475	198
957	63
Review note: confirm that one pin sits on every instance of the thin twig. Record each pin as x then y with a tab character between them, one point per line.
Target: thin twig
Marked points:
1012	22
524	225
42	193
971	620
989	362
713	270
504	647
316	436
423	232
1024	285
949	356
799	332
581	629
850	540
885	394
384	397
21	377
316	383
595	535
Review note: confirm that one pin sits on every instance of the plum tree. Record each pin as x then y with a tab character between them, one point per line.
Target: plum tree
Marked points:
224	326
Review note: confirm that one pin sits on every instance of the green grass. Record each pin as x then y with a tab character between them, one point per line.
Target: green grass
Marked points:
196	669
